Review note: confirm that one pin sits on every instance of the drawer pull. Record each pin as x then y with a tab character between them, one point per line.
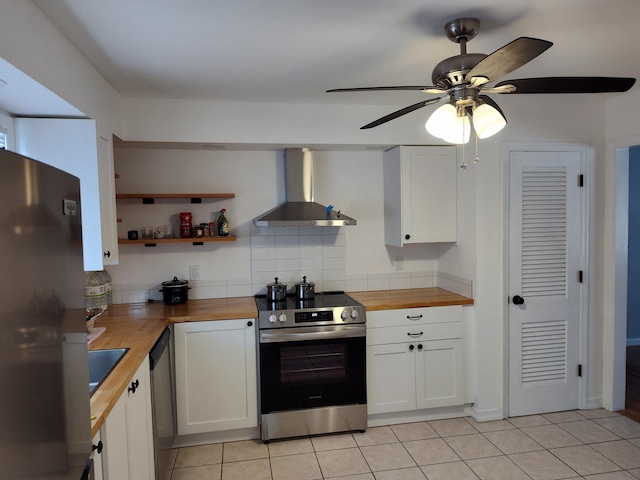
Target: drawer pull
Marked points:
414	317
415	335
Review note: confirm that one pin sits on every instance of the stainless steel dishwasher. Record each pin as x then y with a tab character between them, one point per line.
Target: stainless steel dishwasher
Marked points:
162	402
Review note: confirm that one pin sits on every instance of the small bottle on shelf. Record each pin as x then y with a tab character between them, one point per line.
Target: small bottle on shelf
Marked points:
223	223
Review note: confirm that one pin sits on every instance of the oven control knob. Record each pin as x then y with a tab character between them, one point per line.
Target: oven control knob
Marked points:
272	318
282	318
344	315
354	314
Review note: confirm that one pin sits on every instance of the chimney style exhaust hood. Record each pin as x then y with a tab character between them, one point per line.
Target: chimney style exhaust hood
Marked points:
299	208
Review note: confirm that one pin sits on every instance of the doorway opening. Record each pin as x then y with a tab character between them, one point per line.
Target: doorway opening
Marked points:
632	364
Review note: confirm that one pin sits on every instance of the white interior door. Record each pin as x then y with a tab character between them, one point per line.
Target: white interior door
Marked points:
546	224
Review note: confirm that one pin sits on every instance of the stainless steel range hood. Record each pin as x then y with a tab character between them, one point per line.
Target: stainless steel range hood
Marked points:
299	208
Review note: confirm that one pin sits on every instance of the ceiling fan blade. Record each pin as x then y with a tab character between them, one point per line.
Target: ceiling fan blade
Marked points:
401	112
508	58
503	88
570	84
427	89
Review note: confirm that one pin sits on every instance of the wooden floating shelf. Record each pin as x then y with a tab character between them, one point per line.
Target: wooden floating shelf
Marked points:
150	197
152	242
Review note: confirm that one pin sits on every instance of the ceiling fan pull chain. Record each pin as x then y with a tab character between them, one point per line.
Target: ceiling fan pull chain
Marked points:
463	166
477	158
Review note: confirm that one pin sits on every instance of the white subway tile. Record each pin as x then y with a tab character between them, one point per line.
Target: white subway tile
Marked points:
263	253
239	290
287	264
356	285
334	285
263	241
307	264
333	263
399	283
333	252
263	265
378	284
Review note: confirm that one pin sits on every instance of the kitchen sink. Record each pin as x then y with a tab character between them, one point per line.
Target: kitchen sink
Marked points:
101	363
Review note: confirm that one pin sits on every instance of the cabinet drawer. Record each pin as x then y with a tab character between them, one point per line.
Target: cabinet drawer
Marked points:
417	333
414	316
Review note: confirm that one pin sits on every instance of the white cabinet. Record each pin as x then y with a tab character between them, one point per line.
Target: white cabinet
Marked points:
414	359
96	455
216	383
127	432
420	195
108	217
69	144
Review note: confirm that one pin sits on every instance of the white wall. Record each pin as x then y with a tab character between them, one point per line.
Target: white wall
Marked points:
349	180
31	43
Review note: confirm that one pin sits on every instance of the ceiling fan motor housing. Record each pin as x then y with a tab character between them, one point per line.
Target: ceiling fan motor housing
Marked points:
451	71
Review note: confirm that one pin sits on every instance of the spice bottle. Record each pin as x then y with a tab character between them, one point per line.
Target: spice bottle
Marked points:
223	223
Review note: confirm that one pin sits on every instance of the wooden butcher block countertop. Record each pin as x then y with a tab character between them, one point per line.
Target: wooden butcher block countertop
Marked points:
137	327
409	298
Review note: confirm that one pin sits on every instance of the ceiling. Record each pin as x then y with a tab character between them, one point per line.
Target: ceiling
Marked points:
293	50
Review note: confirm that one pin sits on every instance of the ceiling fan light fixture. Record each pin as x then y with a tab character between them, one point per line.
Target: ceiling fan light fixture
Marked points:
440	120
487	120
445	124
459	131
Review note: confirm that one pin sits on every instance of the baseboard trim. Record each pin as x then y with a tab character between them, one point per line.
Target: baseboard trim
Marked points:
487	415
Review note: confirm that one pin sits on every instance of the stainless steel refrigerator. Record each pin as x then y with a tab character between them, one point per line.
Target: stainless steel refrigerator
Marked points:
45	425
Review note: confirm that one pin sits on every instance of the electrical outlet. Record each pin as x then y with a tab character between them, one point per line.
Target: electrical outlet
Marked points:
194	272
398	263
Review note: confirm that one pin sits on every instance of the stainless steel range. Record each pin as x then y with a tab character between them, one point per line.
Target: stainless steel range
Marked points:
312	365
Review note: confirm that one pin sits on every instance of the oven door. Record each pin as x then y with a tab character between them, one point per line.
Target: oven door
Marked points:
311	367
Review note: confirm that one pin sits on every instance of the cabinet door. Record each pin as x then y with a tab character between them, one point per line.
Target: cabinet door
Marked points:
126	433
115	461
139	427
439	373
108	220
216	384
70	145
390	378
420	195
96	455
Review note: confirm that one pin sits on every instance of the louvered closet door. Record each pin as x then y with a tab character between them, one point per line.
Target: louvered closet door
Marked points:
544	260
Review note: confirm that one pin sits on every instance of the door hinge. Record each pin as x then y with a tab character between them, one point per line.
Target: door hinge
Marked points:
579	276
581	180
579	370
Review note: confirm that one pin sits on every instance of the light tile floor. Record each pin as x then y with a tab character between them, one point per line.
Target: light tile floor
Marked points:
589	444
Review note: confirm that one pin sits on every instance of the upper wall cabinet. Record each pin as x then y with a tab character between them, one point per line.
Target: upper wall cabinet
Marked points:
106	176
70	144
420	195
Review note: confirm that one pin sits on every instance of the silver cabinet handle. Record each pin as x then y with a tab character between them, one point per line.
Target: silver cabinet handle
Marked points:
415	335
414	317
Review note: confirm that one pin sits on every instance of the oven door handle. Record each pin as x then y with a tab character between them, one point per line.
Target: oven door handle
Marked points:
313	333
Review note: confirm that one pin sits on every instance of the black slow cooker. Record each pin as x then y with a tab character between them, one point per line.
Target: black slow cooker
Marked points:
175	291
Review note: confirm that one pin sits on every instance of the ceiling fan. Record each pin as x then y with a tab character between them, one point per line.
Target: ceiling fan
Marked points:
463	80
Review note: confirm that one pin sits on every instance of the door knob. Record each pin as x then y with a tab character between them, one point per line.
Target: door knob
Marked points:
518	300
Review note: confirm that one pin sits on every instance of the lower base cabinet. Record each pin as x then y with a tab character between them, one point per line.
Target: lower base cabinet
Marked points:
216	379
126	434
96	455
414	359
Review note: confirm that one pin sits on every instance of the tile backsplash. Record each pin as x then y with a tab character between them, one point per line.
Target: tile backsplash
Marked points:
289	253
